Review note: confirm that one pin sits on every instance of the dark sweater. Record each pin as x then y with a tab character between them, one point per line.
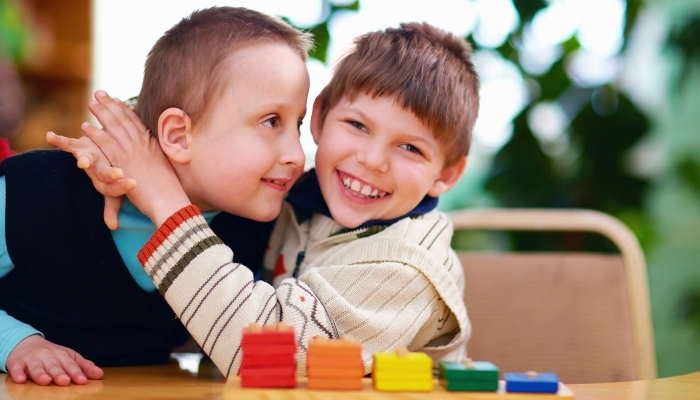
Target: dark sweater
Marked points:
69	280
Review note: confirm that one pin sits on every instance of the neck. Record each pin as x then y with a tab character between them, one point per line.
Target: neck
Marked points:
201	204
191	192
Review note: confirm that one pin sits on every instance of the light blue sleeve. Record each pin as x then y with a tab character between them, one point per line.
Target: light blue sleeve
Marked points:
5	262
11	331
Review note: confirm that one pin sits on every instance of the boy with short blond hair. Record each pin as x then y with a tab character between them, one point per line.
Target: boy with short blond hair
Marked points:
208	101
358	248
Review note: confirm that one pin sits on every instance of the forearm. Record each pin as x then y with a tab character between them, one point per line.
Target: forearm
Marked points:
214	297
12	332
160	205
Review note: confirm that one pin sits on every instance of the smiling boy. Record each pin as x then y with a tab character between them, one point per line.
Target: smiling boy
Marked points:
358	248
224	92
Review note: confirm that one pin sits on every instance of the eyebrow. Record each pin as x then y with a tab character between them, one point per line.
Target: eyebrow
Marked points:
271	105
363	115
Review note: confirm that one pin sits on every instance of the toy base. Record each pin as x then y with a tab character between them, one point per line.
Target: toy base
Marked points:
403	386
270	374
334	384
343	374
269	383
457	386
539	387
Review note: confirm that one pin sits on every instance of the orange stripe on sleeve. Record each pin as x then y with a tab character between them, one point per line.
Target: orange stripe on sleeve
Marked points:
165	230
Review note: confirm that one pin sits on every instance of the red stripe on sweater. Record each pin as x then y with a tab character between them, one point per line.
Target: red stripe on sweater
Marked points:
165	230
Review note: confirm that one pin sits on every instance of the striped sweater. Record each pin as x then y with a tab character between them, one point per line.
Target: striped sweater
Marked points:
392	286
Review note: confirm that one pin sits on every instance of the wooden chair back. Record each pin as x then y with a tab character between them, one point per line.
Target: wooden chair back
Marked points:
584	316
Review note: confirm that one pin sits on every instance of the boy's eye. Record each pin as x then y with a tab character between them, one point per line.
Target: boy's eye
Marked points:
272	122
356	124
411	148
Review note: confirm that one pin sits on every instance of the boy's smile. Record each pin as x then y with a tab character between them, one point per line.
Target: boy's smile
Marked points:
375	160
359	190
246	154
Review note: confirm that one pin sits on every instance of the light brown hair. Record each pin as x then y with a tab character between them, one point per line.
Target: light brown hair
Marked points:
427	70
183	69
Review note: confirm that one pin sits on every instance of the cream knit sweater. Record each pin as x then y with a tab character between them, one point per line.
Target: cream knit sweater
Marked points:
387	287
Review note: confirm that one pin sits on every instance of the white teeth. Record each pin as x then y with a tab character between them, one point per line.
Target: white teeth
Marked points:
362	189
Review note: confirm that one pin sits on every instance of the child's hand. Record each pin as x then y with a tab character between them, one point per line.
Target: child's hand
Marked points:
127	143
44	362
107	180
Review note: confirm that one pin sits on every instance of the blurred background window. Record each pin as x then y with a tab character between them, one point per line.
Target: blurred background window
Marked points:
584	104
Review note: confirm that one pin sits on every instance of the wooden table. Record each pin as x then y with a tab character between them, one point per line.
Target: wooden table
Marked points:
169	382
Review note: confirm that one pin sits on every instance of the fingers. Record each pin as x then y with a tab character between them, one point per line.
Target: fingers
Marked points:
100	137
86	160
112	116
114	189
111	216
132	115
88	367
54	368
85	151
18	372
106	173
37	372
72	369
85	157
112	126
66	144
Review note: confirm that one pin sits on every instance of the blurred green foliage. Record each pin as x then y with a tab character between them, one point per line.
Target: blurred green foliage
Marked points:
590	172
15	32
690	309
685	40
320	31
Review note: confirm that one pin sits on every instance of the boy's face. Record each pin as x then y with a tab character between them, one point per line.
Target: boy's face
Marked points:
247	155
376	160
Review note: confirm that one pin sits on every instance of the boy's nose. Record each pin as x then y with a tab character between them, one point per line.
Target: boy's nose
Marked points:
292	152
374	157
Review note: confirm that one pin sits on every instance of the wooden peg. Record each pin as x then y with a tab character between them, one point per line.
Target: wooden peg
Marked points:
531	374
255	328
282	327
468	363
401	352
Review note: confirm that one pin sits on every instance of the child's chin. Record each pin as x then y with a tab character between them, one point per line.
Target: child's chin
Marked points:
347	222
268	215
260	215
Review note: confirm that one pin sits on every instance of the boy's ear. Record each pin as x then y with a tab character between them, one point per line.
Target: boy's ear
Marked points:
174	134
448	178
316	123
